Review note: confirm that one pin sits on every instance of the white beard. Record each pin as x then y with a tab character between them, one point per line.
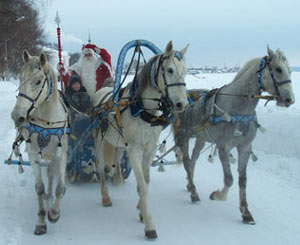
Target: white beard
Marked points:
88	74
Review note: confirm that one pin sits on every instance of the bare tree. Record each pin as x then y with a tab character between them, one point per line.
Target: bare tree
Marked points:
74	57
20	28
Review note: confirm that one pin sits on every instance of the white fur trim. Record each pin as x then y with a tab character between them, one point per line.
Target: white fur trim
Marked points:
109	69
88	75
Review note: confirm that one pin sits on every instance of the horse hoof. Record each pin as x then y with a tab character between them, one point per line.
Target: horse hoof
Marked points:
195	198
218	196
248	220
151	234
106	202
40	229
53	216
211	196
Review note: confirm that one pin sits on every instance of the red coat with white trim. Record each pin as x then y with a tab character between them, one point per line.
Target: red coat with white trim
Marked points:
103	71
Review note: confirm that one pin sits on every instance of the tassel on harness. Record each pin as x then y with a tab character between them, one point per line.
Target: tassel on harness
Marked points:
16	151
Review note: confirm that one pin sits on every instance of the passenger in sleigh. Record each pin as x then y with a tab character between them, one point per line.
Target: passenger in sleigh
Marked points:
93	67
76	95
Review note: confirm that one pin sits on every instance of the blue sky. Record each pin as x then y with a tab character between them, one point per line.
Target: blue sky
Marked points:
219	32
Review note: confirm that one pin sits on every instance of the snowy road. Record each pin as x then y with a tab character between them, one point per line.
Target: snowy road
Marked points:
273	192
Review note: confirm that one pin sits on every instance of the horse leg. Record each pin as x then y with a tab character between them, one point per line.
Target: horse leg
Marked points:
228	179
243	158
199	144
54	211
101	159
148	156
50	174
41	226
184	147
136	157
106	201
117	178
178	155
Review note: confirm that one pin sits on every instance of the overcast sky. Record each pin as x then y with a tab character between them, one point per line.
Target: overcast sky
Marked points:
219	32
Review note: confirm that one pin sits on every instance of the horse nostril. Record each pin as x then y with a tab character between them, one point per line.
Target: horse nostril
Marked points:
179	105
21	119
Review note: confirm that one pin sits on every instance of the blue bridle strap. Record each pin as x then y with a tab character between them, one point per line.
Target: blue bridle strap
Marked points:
262	66
50	89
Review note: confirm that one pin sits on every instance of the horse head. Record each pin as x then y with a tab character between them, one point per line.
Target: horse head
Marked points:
277	81
171	82
35	87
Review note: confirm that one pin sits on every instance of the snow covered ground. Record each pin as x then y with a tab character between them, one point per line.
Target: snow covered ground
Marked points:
273	192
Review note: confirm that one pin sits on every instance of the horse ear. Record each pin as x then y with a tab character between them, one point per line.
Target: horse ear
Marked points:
43	59
25	56
183	51
169	48
271	53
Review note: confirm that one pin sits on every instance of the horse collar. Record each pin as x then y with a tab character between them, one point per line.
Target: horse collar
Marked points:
44	134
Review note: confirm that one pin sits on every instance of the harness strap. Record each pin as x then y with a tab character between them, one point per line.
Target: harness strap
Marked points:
236	118
46	121
154	120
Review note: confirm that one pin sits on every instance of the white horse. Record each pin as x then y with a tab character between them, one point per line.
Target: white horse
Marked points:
227	117
42	121
158	89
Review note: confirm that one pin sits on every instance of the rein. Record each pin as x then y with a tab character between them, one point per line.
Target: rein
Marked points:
263	97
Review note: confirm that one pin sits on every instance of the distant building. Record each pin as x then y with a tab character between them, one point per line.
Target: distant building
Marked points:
214	69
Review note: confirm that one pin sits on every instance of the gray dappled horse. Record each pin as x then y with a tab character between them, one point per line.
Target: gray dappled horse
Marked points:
227	117
42	121
158	89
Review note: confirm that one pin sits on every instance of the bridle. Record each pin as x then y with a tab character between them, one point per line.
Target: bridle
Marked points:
164	102
33	101
154	78
265	62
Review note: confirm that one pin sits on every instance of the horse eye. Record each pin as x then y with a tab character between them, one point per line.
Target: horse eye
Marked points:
170	70
38	82
278	69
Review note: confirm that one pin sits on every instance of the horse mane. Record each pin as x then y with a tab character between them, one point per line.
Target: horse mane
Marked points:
144	75
249	65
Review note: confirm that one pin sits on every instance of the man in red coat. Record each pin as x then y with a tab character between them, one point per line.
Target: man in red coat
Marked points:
94	68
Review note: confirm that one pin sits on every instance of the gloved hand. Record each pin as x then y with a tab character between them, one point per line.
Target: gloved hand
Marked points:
97	50
60	68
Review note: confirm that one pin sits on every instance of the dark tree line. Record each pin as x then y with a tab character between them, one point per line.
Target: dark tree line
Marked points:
20	28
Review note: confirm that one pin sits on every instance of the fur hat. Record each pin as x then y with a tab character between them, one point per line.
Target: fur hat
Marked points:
90	46
74	78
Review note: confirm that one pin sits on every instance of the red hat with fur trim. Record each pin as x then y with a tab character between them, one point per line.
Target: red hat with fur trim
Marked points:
90	46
